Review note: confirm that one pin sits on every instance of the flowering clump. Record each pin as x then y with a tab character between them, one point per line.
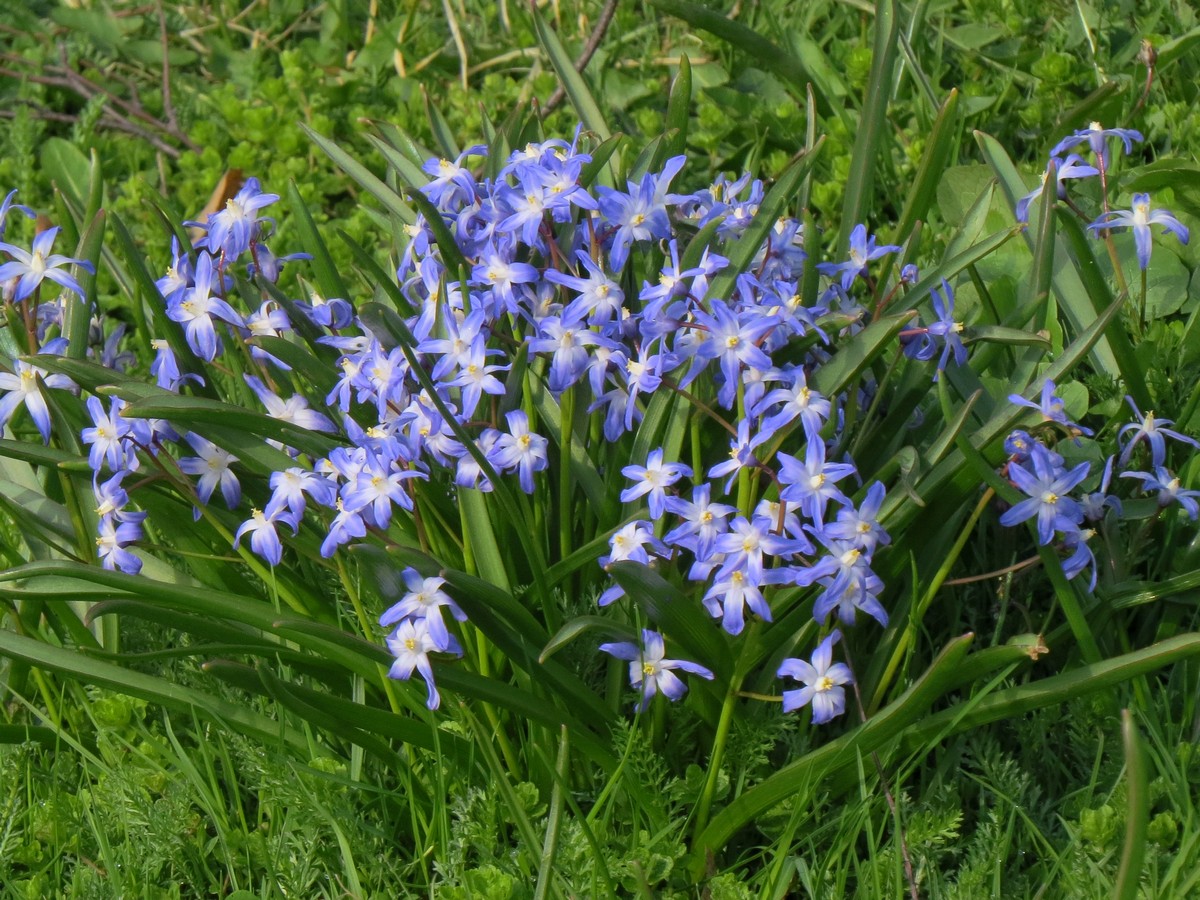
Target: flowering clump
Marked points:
543	323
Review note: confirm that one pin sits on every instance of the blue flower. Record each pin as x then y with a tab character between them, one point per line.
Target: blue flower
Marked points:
650	672
520	449
1051	408
1151	430
862	251
1071	167
1169	488
232	229
108	437
732	591
32	268
195	309
411	643
424	600
1140	218
115	535
812	483
1047	486
1081	556
653	479
22	387
702	521
823	679
640	215
1096	136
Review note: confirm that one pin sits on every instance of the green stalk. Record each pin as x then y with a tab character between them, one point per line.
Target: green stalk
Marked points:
923	604
567	431
1142	308
714	762
365	624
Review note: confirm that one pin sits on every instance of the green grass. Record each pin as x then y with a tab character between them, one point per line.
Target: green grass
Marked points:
222	729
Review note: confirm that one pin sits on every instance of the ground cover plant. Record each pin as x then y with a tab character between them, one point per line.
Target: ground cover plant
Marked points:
594	516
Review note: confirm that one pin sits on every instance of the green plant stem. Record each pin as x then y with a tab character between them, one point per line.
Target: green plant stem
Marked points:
918	615
704	807
1142	307
567	431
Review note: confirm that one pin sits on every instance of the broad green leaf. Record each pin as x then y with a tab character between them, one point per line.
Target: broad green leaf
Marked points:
1014	702
324	270
67	167
197	413
855	355
580	624
679	108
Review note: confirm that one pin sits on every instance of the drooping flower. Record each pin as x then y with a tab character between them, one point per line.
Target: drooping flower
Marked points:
411	643
264	536
1096	136
1151	430
1140	217
22	388
1051	407
1170	489
1064	169
424	600
212	465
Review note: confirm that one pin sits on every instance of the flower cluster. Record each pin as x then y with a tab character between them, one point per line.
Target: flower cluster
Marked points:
1062	168
1040	473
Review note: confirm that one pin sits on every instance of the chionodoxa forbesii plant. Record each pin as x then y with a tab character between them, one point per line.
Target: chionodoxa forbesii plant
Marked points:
631	393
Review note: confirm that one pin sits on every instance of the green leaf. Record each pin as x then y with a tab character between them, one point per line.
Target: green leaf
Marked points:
855	355
580	624
67	167
764	52
324	270
197	413
391	201
157	690
998	334
572	82
873	122
943	139
679	108
1137	798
